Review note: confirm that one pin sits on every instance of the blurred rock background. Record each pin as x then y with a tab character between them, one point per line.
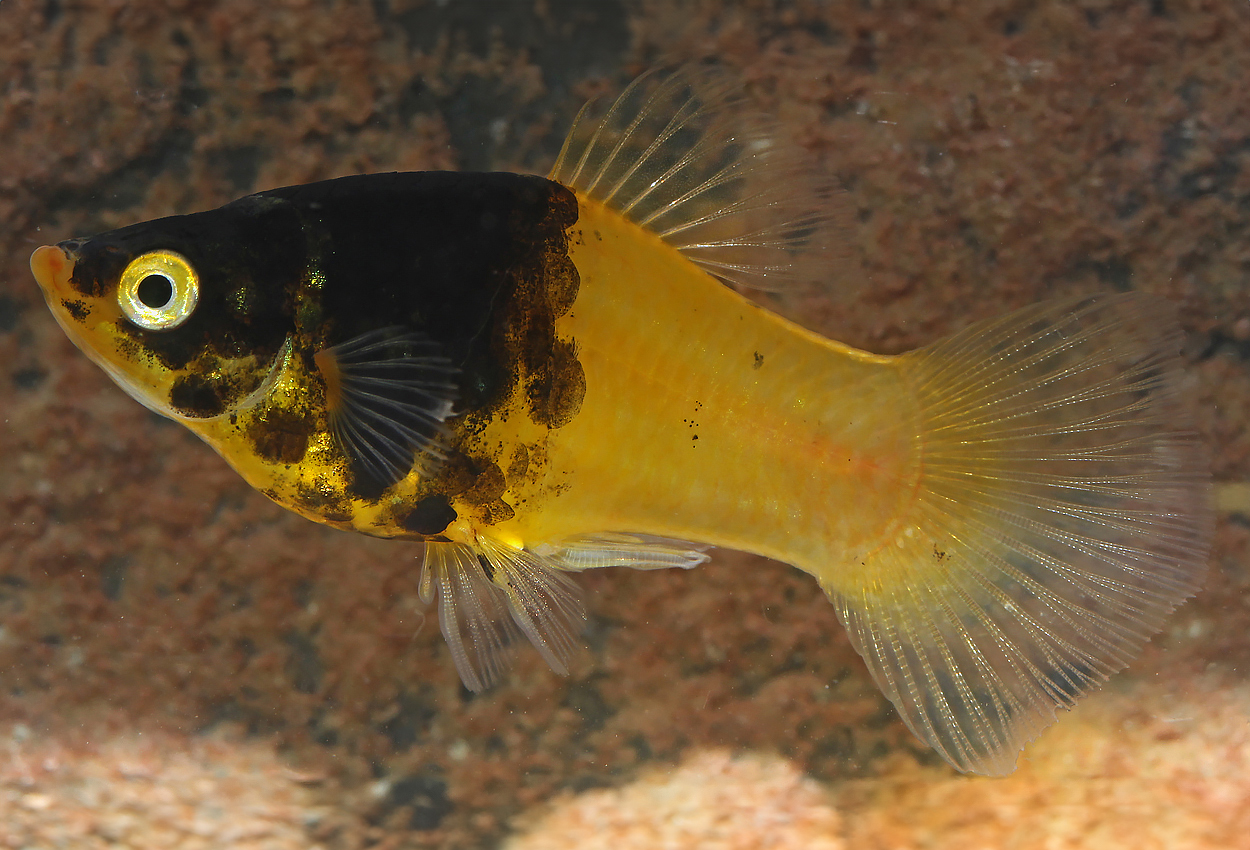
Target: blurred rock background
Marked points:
183	664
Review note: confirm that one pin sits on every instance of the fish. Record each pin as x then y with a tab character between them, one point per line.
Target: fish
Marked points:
542	375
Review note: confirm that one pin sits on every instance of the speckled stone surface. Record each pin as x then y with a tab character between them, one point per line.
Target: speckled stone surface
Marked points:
996	153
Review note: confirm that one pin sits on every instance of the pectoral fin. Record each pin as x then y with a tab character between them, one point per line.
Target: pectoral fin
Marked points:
388	392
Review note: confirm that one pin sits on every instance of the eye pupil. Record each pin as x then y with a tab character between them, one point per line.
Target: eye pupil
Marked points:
158	290
155	291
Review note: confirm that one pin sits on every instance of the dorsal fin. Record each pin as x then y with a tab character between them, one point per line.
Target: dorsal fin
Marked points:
686	155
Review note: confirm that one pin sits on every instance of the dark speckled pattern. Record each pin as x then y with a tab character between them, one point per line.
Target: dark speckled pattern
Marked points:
995	153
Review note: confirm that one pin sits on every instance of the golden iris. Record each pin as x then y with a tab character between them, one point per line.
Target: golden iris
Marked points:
159	290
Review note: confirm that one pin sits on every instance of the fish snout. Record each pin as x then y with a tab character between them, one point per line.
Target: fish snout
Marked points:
52	267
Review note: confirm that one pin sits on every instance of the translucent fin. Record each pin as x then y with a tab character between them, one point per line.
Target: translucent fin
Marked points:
472	613
488	597
686	155
639	551
1063	513
389	392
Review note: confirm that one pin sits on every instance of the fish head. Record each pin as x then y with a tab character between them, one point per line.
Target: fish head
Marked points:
187	314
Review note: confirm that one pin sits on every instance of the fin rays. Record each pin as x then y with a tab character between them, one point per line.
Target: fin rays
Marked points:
684	154
1062	515
489	597
491	594
637	551
394	392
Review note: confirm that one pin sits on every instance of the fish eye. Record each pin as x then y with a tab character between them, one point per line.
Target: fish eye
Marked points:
159	290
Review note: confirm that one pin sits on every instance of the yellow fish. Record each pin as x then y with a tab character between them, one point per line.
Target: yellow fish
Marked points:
538	376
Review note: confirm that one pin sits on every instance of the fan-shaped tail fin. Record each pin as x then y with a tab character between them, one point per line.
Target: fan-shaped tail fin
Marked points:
1063	512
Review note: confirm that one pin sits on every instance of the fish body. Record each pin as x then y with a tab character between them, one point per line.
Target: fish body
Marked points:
538	376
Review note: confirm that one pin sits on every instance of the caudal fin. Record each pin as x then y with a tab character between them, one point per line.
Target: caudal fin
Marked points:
1063	512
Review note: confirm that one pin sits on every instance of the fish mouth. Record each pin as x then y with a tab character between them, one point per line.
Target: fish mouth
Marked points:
52	267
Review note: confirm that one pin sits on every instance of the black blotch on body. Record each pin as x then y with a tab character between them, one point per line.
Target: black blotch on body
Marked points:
281	435
486	495
476	481
367	484
330	506
431	516
561	279
556	390
196	395
553	378
462	258
77	310
759	360
128	347
209	387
